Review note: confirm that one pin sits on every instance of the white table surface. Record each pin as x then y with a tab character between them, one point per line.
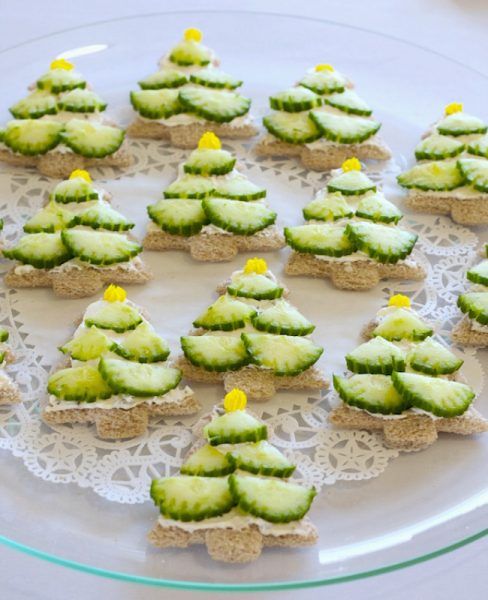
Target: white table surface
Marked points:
455	28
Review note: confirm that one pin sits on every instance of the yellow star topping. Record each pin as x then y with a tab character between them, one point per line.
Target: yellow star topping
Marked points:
324	67
61	63
255	265
192	34
236	399
82	174
209	141
351	164
114	293
400	301
454	107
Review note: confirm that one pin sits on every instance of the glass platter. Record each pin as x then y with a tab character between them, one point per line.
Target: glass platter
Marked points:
423	504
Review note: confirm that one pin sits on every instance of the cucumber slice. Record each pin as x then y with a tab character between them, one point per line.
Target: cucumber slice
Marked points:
440	397
214	105
284	354
324	82
143	345
74	190
156	104
89	345
479	147
34	106
209	162
91	139
238	217
254	285
215	78
4	334
137	379
476	172
293	128
41	250
319	239
82	101
383	243
215	352
273	500
116	316
190	186
32	137
60	80
438	147
165	78
78	384
295	99
282	318
235	427
474	304
374	393
375	207
351	183
192	498
461	124
207	461
49	219
435	176
225	314
99	247
377	357
238	187
178	217
189	52
103	216
479	273
433	358
328	207
261	458
349	102
344	129
402	324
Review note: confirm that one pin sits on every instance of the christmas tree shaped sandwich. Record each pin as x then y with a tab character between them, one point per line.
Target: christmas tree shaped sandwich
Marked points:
451	176
188	96
472	330
76	243
351	235
117	374
212	210
9	392
405	383
60	126
233	494
253	338
322	121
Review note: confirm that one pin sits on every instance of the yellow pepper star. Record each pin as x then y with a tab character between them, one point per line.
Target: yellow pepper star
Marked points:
351	164
236	399
400	301
209	141
81	173
255	265
453	107
324	67
192	34
62	63
114	293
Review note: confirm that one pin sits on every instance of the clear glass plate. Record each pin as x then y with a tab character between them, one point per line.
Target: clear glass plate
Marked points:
424	504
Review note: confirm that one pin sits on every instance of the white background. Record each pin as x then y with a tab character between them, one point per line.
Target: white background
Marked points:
455	28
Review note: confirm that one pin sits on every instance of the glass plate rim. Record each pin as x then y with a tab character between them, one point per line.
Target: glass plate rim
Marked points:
249	587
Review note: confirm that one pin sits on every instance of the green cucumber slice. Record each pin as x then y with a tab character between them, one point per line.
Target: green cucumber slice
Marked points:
41	250
207	461
254	285
189	52
435	176
74	190
225	314
215	352
328	207
374	393
324	82
49	219
215	78
349	102
320	239
461	124
295	99
235	427
103	216
138	379
377	357
88	345
178	217
479	273
383	243
100	247
4	334
156	104
78	384
282	319
31	137
479	147
475	305
91	139
351	183
402	324
209	162
375	207
60	80
433	358
116	316
273	500
293	128
344	129
82	101
438	147
214	105
165	78
261	458
34	106
284	354
237	216
143	345
440	397
238	187
190	186
476	172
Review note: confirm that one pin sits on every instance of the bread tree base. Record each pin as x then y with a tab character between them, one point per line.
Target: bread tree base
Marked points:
464	334
472	211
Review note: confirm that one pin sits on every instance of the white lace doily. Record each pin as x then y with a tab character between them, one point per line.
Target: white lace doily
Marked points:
121	471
